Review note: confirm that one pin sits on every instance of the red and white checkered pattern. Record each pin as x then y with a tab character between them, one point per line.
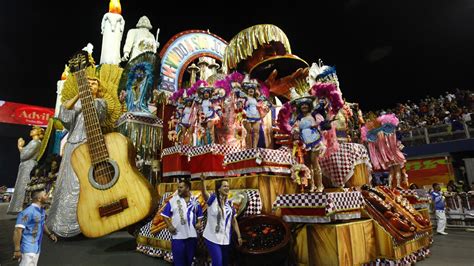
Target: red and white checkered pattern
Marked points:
143	119
267	155
212	148
339	166
332	202
181	149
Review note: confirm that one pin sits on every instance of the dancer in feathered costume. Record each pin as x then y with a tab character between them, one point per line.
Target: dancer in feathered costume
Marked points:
325	85
256	106
384	148
209	112
307	126
231	131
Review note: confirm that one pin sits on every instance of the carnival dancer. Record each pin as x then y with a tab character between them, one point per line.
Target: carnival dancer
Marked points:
255	107
62	216
183	216
186	120
384	148
221	218
208	115
307	128
28	158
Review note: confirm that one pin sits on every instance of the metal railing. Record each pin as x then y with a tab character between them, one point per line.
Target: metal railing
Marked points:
437	134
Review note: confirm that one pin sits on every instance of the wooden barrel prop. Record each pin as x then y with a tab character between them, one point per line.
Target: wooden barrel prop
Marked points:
360	176
266	241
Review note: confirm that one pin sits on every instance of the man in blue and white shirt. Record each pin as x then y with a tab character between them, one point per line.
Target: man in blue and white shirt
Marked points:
183	215
439	207
29	231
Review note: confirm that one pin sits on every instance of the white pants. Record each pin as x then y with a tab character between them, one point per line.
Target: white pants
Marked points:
441	217
29	259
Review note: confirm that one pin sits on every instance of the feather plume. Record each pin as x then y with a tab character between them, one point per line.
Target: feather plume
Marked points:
284	116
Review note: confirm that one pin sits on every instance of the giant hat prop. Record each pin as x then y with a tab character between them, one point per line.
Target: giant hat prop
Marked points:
261	49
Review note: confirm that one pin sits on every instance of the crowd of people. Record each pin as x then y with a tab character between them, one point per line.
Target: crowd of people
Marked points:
452	108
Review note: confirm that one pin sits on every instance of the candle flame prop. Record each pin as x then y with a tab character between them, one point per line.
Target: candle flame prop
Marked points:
115	7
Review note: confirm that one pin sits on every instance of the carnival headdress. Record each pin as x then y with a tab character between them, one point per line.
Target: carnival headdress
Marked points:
300	98
323	73
248	83
186	97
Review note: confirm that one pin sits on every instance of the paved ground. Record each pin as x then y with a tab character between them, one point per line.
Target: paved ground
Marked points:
455	249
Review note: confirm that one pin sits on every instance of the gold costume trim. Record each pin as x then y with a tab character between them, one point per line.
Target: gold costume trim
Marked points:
248	40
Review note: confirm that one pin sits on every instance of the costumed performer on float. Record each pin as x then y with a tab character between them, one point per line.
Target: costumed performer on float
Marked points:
62	217
324	84
208	113
181	124
385	149
221	218
28	156
307	126
230	130
256	107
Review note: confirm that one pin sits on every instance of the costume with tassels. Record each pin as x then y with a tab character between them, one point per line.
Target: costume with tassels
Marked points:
255	107
209	111
384	148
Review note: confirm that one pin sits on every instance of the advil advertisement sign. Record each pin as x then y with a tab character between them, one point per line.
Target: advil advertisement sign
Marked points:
17	113
429	170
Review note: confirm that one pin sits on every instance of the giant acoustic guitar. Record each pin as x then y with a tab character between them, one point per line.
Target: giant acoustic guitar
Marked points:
113	193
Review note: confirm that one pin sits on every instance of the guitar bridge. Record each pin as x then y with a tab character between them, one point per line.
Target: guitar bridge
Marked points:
113	208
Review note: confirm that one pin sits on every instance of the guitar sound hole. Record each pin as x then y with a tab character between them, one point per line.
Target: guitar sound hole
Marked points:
103	172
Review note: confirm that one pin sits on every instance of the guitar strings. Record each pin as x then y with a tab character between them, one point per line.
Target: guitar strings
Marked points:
102	173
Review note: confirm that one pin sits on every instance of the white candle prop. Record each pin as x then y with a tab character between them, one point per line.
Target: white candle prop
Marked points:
112	30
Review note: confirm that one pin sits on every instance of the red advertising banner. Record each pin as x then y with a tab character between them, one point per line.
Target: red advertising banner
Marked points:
429	170
18	113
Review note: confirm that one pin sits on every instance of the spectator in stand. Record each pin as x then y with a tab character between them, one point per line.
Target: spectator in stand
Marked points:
449	108
439	207
414	186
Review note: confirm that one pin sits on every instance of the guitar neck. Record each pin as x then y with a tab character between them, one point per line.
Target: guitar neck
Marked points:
95	139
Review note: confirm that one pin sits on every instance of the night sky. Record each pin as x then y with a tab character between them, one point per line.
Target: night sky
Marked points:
384	51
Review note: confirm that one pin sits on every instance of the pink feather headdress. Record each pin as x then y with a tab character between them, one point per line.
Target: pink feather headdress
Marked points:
329	91
388	119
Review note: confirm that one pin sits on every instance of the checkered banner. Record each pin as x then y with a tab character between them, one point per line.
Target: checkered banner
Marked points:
332	202
137	118
339	166
181	149
419	194
409	192
266	155
212	148
254	205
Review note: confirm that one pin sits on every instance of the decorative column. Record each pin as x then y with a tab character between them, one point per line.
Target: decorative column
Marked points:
192	69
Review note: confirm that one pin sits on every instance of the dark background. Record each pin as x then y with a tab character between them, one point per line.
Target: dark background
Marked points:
384	51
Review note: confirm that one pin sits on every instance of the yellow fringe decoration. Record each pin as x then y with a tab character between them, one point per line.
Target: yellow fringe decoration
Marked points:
248	40
109	78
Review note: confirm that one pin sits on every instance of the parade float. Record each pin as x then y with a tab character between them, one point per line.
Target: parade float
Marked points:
280	132
254	113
